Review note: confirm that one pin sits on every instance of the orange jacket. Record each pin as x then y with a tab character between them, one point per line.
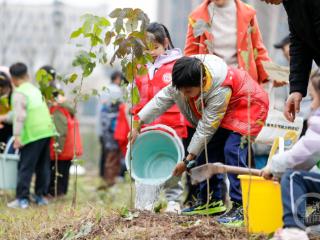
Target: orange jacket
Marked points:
248	30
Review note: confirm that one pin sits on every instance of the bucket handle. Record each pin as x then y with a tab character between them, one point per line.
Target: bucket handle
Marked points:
170	130
9	144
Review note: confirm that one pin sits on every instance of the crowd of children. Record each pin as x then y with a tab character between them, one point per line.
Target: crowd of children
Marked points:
41	134
204	96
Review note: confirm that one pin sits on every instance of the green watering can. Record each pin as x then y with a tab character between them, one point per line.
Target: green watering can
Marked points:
155	154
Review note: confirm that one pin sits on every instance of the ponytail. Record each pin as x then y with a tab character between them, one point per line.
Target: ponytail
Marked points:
160	33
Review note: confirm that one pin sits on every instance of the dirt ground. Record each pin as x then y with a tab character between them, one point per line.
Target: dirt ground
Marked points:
147	225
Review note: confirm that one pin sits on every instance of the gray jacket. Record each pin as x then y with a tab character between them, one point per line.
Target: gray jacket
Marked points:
216	99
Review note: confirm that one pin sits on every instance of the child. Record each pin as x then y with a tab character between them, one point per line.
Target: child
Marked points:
32	129
230	21
222	123
109	111
65	123
158	77
296	184
5	107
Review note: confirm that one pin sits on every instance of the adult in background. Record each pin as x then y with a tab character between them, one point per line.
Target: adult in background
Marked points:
304	25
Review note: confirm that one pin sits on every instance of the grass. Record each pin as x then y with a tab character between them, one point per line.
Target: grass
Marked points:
31	223
103	215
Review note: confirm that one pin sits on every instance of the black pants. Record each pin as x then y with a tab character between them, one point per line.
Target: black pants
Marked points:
191	189
63	178
34	157
102	158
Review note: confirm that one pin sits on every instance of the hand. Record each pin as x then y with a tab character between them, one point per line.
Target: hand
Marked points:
279	83
266	173
276	2
132	136
179	169
17	143
292	106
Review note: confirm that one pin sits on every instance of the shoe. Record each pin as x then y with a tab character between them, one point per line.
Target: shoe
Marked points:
41	201
22	203
234	217
200	208
290	234
173	207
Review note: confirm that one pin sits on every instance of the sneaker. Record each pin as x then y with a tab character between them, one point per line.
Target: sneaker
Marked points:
200	208
290	234
234	217
22	203
41	201
173	207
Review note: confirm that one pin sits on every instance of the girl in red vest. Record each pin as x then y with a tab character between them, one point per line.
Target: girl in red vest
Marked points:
158	77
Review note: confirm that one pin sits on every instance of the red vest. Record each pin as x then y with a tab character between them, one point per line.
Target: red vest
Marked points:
236	117
68	149
148	88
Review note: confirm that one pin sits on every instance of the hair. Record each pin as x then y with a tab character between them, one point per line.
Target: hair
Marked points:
187	72
5	81
160	33
18	70
117	74
50	70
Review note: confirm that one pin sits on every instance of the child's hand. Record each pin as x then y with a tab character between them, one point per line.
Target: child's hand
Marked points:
279	83
179	169
266	173
17	143
132	136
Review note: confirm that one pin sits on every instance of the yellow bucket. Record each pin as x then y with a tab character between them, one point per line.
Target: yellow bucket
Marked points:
263	210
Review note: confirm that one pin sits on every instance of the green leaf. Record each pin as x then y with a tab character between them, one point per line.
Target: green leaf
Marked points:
76	33
200	27
115	13
73	78
132	25
92	54
137	34
118	25
86	27
95	92
142	71
135	95
103	22
97	30
107	37
69	235
245	57
148	57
